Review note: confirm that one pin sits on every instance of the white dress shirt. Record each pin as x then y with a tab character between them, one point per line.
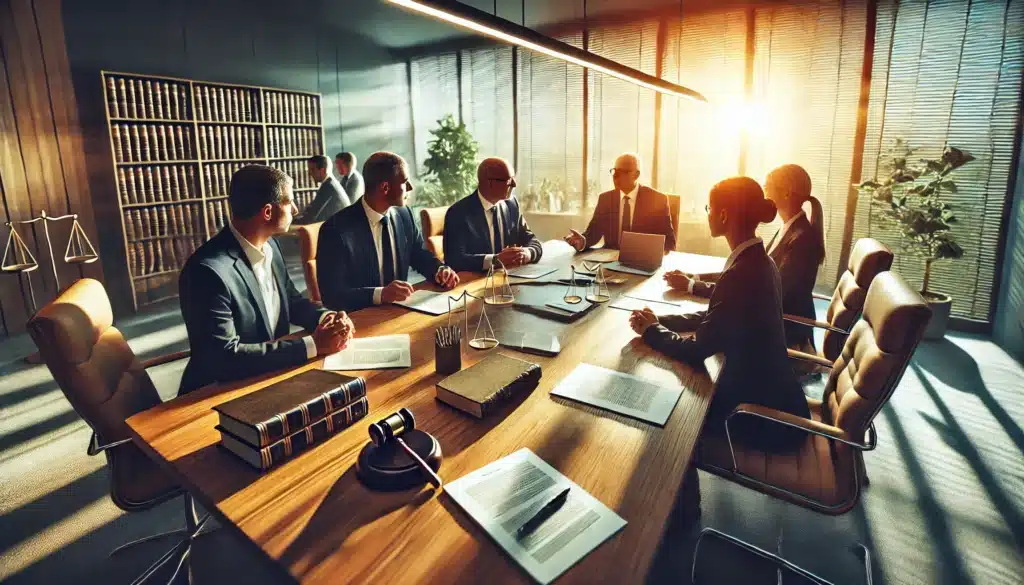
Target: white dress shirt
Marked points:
262	262
782	232
630	200
376	229
739	250
499	246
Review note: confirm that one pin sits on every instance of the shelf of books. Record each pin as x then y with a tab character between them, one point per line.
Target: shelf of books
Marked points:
175	144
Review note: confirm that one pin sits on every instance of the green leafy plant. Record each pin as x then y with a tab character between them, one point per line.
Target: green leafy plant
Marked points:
909	197
450	164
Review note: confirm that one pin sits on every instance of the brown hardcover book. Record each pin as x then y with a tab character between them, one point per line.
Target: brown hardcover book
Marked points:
173	179
140	185
158	100
150	109
197	95
136	143
115	137
132	111
171	97
276	411
140	260
144	145
129	180
169	193
162	135
150	256
158	185
140	99
129	228
191	186
126	143
122	99
165	223
122	186
154	143
204	148
207	108
148	189
178	143
296	442
172	144
221	105
112	99
185	144
481	387
221	134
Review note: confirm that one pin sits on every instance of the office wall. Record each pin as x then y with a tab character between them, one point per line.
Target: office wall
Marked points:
256	42
1008	329
41	162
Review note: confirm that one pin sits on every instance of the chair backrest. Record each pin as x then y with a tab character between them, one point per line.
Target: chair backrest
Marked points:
868	259
432	223
102	379
674	202
309	234
876	354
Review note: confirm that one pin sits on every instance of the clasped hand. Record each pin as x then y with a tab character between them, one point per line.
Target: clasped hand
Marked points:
678	280
514	256
642	319
333	333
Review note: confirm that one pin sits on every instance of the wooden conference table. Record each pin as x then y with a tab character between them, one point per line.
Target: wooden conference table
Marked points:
315	520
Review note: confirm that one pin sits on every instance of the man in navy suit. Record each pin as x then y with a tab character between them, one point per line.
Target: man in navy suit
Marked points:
366	249
488	224
237	298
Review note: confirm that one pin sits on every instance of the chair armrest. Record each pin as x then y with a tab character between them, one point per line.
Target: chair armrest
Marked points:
163	359
95	448
813	427
779	562
807	357
813	323
821	297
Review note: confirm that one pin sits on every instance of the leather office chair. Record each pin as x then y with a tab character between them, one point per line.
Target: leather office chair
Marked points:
106	383
674	202
868	259
432	223
826	473
309	235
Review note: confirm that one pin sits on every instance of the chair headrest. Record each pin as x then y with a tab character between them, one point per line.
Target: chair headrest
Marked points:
309	235
897	314
432	220
868	258
71	325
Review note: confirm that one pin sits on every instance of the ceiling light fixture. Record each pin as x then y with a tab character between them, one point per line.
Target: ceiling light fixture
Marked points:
509	32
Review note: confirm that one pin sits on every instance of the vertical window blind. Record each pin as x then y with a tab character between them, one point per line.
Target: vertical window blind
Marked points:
487	105
949	73
435	94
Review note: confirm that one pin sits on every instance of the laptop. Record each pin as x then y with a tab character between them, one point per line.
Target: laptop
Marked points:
639	253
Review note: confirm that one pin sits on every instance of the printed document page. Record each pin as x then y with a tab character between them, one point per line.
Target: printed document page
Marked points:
372	353
428	302
656	289
503	495
660	308
622	393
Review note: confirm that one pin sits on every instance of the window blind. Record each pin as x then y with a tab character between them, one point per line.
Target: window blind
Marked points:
435	93
487	99
952	76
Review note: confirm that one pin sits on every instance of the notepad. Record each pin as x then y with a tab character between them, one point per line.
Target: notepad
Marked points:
625	394
426	301
503	495
372	353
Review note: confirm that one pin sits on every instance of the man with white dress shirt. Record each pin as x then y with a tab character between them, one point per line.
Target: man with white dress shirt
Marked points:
488	224
237	298
629	207
365	251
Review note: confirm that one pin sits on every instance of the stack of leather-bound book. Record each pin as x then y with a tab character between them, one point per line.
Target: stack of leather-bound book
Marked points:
275	423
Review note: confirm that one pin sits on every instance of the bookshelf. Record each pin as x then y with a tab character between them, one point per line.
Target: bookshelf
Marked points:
175	144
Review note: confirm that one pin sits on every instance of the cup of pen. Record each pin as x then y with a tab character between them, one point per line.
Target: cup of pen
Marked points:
447	350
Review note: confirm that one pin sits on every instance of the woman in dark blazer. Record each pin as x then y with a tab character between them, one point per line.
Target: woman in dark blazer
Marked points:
743	321
797	249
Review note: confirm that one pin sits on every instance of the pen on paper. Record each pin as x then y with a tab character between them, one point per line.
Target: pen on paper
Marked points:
543	514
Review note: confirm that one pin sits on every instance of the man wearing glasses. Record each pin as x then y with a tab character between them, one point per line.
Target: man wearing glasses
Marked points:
629	207
487	224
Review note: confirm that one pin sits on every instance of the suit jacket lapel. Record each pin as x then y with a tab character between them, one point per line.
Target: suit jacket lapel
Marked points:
401	249
364	244
280	273
244	270
612	237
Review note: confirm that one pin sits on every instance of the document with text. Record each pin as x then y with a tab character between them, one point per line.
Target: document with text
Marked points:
660	308
504	495
372	353
429	302
657	290
622	393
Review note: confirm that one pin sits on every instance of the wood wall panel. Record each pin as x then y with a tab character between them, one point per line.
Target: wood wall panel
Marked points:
42	165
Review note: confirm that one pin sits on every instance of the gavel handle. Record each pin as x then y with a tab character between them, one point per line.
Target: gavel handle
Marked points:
433	477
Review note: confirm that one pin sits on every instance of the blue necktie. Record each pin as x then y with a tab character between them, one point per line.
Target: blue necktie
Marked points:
387	254
496	229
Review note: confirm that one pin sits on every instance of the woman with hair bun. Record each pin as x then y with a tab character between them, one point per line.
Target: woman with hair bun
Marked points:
743	321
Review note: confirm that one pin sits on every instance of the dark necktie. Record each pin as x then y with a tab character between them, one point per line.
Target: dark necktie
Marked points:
772	241
387	254
496	230
627	216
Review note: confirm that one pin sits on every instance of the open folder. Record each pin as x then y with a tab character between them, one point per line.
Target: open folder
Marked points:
502	496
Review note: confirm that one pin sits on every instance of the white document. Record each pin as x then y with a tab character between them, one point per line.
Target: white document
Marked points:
502	496
428	302
415	278
622	393
372	353
660	308
531	271
657	290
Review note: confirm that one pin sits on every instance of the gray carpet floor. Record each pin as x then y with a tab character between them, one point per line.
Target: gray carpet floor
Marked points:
945	504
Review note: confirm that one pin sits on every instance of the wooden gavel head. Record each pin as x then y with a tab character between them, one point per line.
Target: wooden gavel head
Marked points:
391	427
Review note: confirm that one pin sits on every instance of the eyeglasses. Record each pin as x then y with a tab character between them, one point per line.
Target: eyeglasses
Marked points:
621	171
509	182
707	208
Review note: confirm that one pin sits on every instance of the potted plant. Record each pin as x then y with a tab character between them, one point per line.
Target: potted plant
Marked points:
909	198
450	165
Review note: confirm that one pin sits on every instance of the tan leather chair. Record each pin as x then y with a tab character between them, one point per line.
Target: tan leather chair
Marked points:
868	259
106	383
432	222
826	473
674	203
309	235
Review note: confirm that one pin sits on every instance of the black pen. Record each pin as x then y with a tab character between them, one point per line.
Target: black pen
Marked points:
543	514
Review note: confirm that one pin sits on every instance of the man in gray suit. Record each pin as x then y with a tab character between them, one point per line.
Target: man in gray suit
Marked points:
348	175
330	196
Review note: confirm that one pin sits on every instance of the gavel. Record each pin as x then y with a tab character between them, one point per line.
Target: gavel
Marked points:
391	428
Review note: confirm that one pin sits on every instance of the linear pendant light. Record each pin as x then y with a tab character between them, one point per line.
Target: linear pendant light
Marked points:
503	30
